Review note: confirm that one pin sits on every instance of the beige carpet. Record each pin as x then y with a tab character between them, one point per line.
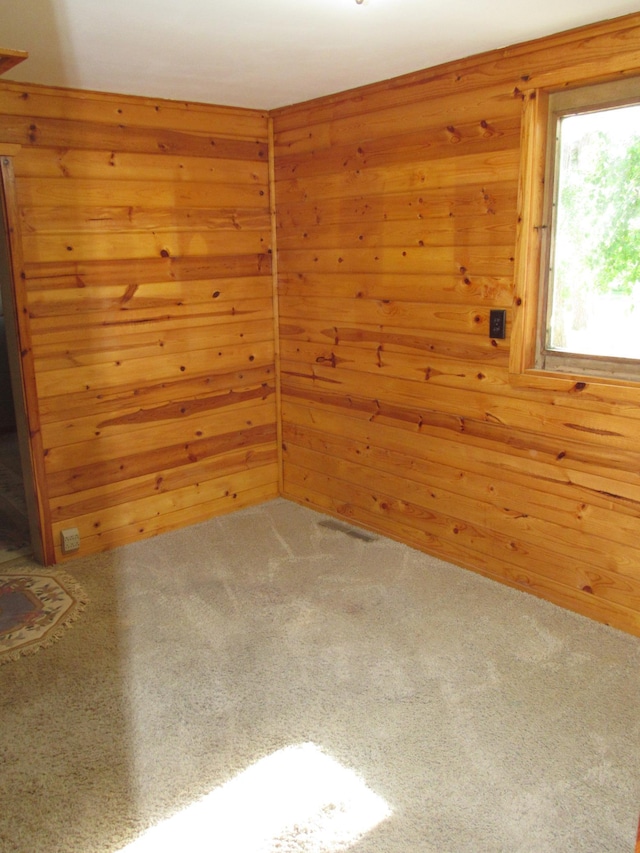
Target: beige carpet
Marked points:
265	682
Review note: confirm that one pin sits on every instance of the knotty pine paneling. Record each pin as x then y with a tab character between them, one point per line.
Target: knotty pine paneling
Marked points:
397	216
148	327
145	233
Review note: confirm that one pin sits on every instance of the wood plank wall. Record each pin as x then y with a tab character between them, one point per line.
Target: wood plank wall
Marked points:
146	238
397	212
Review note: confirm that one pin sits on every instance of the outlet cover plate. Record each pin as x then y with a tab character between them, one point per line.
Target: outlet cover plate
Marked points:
498	323
70	540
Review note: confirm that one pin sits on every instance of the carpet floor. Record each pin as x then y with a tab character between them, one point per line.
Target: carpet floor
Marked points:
266	682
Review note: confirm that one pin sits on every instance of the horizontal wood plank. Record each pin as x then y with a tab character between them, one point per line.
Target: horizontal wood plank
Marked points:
451	317
488	230
141	371
154	436
113	495
426	260
140	220
407	287
429	143
131	419
450	107
88	164
49	248
100	192
523	475
615	471
42	132
20	99
102	345
129	465
79	274
469	169
423	204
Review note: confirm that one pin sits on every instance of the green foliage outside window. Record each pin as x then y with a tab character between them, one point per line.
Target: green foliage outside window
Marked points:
600	212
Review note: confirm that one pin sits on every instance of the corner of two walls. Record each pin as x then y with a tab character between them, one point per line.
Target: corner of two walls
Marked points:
166	398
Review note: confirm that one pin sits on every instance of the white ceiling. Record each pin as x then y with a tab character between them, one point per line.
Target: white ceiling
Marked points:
266	53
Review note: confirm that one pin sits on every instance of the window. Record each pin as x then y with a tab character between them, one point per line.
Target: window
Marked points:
583	314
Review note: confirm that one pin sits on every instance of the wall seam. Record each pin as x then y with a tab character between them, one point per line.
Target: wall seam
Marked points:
276	304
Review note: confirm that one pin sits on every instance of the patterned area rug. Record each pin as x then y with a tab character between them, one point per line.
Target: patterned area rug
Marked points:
35	608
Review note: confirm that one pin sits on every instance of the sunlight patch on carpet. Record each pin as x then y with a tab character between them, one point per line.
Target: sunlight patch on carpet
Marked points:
297	799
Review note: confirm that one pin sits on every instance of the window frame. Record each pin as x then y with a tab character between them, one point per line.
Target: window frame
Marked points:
530	363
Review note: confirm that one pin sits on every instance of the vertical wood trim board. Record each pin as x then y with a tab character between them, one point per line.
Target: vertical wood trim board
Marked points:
145	237
398	210
276	305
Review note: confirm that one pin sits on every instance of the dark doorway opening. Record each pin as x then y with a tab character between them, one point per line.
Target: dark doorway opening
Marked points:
15	537
14	524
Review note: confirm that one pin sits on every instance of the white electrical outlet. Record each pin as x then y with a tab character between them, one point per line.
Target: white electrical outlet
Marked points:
70	539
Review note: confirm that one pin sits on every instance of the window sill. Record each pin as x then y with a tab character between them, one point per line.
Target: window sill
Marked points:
573	383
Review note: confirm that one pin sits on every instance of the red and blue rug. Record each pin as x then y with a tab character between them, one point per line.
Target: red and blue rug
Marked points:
36	606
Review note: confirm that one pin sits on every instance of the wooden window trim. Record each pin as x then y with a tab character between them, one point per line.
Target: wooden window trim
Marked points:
528	258
530	251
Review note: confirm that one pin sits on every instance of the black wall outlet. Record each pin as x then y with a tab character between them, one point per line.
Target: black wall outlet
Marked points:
498	323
